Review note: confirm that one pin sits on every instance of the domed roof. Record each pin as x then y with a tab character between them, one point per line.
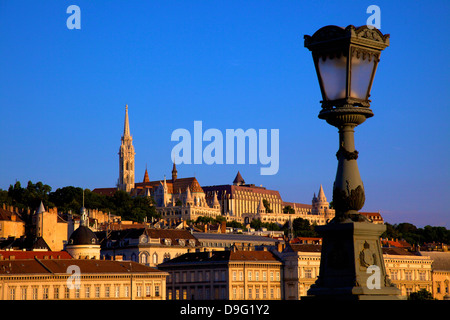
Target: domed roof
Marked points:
83	235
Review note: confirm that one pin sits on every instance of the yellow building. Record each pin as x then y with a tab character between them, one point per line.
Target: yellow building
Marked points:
224	275
69	279
408	272
146	245
440	273
10	223
51	227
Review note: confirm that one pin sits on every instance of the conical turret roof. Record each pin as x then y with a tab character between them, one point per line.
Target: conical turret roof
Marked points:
238	180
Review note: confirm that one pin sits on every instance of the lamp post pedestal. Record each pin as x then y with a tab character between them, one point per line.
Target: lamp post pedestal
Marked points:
352	266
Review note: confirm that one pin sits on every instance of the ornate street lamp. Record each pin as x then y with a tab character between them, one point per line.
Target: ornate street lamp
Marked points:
352	263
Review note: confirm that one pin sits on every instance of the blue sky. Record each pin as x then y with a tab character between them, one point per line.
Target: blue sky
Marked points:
229	64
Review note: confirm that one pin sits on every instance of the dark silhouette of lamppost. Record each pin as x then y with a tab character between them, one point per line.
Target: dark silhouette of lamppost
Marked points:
352	264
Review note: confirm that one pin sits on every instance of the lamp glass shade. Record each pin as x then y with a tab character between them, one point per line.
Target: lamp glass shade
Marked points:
333	74
361	76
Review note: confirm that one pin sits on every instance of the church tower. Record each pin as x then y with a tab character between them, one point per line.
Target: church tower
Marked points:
126	158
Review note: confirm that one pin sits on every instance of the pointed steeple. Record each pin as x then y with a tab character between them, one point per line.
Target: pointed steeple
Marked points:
261	208
126	127
126	158
215	201
238	180
174	172
321	197
84	218
41	208
188	196
146	178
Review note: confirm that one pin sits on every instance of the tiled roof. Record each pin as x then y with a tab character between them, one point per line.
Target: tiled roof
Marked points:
233	237
7	215
162	234
105	191
397	251
441	260
19	254
231	190
304	248
222	256
59	266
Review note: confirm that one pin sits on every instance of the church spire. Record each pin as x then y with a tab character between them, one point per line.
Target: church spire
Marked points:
126	126
126	158
146	178
321	195
174	172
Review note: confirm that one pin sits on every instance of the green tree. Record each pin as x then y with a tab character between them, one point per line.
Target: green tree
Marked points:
267	206
288	209
422	294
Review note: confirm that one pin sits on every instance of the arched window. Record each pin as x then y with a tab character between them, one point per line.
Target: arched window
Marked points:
144	258
155	258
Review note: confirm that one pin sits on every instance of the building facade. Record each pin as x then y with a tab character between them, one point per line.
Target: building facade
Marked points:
54	279
224	275
408	272
147	246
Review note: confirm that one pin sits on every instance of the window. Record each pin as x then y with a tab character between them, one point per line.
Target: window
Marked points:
97	291
249	276
66	293
87	292
12	293
234	275
116	291
408	275
127	291
35	293
77	293
138	291
250	293
241	275
148	291
155	258
56	293
241	293
394	275
264	293
256	276
45	293
308	273
107	291
278	276
24	293
257	293
271	276
422	276
157	290
264	276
